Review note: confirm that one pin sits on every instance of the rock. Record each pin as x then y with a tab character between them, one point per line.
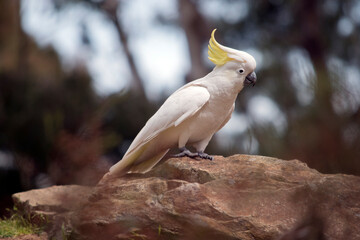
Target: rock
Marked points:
239	197
53	200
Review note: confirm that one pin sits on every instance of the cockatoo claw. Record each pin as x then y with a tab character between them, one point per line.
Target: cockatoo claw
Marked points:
186	153
205	156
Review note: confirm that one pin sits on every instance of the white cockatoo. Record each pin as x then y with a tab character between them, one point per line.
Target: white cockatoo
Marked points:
192	114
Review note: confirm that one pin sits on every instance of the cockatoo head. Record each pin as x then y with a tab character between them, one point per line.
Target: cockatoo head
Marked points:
242	63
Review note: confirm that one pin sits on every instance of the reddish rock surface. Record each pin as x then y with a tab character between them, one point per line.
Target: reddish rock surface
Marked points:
52	201
239	197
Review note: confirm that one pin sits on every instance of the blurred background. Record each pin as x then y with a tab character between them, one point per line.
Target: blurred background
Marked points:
79	79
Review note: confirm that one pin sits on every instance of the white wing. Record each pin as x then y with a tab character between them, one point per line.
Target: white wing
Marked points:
181	105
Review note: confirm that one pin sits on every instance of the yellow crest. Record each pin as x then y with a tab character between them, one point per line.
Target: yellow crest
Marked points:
216	54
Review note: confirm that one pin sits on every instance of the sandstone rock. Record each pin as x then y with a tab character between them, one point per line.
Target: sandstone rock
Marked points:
239	197
50	202
51	199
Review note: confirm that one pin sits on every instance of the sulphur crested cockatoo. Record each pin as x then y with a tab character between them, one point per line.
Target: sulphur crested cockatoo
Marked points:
192	114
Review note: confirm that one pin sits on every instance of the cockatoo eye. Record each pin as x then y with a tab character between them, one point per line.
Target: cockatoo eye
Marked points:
241	71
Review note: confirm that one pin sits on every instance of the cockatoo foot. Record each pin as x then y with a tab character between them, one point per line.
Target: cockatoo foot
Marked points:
186	153
205	156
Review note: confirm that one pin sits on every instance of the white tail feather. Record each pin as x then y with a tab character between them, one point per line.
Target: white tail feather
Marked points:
147	165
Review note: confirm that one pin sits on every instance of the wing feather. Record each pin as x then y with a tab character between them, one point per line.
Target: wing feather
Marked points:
181	105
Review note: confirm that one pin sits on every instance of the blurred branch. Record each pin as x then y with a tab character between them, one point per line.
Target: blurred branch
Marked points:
13	42
197	30
310	25
110	7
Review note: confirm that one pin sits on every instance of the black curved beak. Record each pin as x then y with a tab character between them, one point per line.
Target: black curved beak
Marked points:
250	79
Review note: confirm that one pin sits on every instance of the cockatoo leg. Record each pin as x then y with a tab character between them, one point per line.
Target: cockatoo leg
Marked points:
200	147
205	156
186	153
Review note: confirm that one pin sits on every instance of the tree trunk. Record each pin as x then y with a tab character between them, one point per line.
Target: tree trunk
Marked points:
197	32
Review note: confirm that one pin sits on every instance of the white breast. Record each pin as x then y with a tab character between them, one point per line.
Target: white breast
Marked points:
209	119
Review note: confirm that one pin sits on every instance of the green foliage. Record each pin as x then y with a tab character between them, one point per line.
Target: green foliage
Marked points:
17	225
33	130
